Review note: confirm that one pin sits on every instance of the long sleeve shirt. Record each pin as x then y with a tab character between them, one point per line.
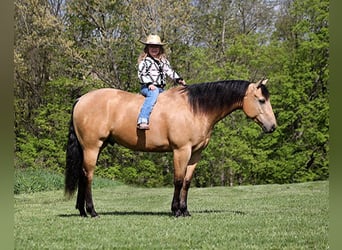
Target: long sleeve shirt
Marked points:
153	71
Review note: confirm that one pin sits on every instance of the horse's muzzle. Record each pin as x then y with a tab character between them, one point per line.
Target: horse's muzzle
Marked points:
270	129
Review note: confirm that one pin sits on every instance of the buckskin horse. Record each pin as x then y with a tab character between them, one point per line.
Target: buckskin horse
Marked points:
181	122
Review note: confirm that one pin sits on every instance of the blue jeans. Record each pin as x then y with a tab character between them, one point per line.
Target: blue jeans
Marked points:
151	97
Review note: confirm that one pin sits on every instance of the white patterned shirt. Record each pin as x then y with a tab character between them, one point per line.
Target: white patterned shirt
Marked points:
153	71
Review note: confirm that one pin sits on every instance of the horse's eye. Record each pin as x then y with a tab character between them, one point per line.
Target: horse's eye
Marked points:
262	101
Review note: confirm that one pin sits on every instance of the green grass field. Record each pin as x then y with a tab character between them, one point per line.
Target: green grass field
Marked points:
293	216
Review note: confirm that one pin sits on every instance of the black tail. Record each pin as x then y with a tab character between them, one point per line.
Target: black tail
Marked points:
74	160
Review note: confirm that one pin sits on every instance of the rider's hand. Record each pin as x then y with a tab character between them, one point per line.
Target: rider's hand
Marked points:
182	82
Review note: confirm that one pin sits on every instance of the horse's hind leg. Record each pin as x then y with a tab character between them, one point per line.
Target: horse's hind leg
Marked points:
81	194
84	197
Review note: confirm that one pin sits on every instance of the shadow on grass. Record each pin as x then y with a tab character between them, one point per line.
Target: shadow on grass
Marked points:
150	213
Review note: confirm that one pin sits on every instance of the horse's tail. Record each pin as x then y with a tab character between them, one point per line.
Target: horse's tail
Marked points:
74	160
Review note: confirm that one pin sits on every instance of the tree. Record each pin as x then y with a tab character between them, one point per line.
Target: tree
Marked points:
303	114
100	31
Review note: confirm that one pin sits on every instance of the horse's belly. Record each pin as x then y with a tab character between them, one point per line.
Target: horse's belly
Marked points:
142	145
141	140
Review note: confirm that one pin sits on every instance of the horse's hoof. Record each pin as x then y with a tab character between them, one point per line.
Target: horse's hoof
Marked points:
91	211
95	215
179	213
83	214
186	213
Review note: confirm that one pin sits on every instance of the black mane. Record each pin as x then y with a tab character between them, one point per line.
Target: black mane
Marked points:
209	96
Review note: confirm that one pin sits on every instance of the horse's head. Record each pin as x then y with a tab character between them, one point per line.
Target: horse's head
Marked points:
257	105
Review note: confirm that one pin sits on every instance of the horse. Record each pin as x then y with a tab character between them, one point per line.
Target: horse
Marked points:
181	122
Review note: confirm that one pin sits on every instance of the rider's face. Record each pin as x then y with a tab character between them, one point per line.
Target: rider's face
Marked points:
154	50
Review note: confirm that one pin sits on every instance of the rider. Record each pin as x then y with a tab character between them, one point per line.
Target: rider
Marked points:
152	69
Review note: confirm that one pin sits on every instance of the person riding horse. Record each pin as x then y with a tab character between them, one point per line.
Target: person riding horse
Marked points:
152	69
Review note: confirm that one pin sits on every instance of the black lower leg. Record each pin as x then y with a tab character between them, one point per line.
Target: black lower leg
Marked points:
90	204
175	206
81	196
183	206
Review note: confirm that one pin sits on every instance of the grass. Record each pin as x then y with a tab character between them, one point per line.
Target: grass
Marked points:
293	216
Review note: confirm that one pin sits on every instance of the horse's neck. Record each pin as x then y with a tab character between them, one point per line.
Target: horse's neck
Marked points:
218	116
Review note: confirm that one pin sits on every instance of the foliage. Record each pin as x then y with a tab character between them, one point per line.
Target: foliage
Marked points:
39	180
33	180
45	146
63	49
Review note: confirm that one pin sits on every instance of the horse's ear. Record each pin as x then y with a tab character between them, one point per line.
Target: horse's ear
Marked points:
262	82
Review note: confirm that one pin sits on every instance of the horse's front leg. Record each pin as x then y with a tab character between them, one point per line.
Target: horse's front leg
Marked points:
183	206
180	197
175	205
180	160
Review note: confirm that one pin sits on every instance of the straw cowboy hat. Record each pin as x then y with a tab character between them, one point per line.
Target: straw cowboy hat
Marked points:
153	40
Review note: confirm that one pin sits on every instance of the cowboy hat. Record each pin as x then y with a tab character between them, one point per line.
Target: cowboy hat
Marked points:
153	40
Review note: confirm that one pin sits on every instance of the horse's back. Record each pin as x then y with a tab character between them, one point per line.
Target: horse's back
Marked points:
105	113
109	94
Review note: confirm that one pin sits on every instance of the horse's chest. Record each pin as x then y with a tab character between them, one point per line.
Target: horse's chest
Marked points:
202	144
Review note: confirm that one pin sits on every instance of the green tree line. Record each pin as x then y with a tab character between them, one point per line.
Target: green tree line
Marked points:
65	48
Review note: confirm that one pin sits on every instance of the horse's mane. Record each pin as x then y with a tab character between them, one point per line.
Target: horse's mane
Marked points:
210	96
